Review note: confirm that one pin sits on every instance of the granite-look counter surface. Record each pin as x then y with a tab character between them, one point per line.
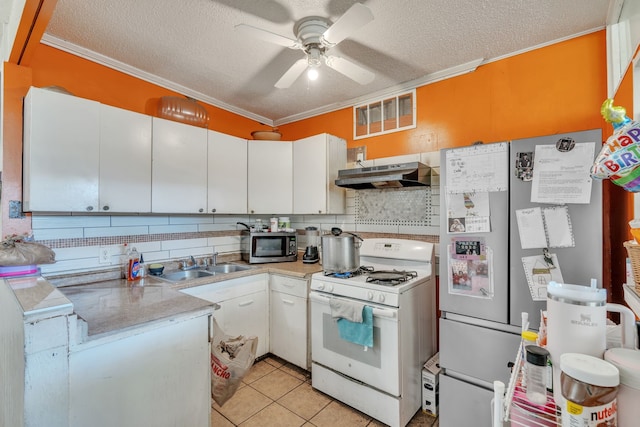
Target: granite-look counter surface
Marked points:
116	305
109	305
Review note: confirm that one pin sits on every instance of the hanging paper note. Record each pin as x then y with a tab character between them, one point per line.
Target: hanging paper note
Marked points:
562	178
468	212
539	272
479	168
531	228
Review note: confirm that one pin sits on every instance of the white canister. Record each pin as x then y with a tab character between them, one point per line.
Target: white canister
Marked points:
274	225
577	323
627	361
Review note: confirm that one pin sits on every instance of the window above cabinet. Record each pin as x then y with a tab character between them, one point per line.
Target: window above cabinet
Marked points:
385	115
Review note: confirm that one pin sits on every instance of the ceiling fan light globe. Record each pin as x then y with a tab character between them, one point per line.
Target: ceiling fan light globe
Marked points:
312	74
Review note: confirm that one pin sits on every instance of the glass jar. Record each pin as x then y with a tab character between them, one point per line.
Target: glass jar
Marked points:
589	388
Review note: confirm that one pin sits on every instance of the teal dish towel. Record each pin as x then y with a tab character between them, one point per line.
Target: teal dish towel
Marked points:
358	333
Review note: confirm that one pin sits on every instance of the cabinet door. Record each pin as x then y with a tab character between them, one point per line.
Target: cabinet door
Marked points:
288	328
316	162
125	160
227	165
270	176
179	168
248	315
310	175
61	152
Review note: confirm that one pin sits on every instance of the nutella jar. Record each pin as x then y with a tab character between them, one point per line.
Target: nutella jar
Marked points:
589	389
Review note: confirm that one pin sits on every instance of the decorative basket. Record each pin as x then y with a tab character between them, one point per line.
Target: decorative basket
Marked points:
633	250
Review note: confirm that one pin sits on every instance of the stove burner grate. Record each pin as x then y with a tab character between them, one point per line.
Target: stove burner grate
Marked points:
390	277
348	274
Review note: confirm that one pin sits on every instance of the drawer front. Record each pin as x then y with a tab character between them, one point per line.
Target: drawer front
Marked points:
290	285
476	351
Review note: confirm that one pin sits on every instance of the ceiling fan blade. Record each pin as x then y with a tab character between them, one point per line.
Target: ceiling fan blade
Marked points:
357	16
267	36
350	69
292	74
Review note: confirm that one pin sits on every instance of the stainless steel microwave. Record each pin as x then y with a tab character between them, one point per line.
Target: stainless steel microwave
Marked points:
259	247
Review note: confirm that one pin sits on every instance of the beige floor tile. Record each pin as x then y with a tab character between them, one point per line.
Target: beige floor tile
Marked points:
218	420
257	371
274	415
422	419
275	361
243	405
296	372
337	414
305	401
276	384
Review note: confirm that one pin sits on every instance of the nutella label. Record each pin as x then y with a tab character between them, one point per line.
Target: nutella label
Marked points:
575	415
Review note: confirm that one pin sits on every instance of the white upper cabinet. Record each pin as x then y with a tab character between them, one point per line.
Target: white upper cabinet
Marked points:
316	161
179	168
125	160
227	167
270	189
61	152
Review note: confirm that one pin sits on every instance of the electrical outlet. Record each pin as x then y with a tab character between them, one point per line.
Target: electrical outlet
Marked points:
105	255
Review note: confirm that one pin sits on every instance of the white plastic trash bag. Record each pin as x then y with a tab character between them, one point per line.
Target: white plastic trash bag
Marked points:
231	359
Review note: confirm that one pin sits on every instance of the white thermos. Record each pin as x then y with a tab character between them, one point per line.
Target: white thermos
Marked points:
577	323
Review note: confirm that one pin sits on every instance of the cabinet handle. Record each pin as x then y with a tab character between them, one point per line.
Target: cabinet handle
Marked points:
319	210
287	301
246	303
105	208
200	210
213	210
89	208
252	211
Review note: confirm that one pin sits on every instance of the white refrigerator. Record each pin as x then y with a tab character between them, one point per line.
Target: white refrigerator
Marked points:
496	268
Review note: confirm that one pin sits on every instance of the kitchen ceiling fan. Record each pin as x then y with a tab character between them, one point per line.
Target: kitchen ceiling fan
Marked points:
315	36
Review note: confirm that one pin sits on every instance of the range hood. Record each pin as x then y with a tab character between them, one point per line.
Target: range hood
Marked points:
399	175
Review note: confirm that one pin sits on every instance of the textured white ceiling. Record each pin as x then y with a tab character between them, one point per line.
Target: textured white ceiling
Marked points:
191	45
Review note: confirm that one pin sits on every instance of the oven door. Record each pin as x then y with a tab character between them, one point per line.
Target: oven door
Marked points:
378	366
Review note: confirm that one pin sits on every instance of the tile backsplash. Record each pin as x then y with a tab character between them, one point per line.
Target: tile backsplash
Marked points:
78	240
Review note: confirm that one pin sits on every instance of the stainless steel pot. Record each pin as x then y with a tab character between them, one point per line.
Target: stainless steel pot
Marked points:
340	253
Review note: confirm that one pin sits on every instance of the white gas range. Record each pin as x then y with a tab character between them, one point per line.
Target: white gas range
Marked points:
384	380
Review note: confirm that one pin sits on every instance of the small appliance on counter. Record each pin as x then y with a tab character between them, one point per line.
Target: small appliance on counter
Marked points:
261	247
311	254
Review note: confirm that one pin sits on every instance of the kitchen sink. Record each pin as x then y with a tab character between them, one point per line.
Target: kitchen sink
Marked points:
227	268
177	276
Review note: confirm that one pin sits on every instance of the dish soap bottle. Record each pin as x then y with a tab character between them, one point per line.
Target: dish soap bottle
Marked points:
133	265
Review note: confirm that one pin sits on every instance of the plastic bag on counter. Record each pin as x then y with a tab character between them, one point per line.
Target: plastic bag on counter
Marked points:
231	359
18	250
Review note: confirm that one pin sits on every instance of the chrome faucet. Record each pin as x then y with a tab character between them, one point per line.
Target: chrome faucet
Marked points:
214	259
193	266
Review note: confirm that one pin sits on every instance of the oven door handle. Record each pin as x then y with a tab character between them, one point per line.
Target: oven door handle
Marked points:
377	312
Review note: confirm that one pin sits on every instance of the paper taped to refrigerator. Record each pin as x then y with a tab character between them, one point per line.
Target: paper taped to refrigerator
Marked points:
479	168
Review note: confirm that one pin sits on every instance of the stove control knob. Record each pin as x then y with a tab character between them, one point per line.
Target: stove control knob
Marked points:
330	288
370	295
320	286
381	297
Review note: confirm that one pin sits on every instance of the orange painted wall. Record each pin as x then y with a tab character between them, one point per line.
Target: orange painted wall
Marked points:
86	79
558	88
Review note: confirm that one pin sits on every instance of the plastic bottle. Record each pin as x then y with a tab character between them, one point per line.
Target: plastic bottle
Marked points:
143	268
589	390
133	265
536	362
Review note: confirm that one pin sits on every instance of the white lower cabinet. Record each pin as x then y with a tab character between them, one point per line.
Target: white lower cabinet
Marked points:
244	308
288	320
159	376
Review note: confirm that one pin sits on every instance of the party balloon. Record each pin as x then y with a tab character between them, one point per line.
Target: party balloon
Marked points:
619	159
